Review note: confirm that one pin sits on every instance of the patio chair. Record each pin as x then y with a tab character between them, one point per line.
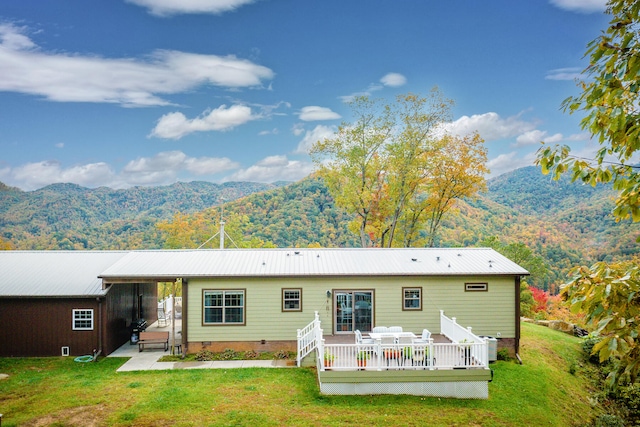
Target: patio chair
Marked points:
424	338
390	349
360	340
163	318
420	356
380	329
395	329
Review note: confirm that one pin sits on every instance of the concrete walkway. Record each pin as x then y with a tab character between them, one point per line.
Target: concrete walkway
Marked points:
148	360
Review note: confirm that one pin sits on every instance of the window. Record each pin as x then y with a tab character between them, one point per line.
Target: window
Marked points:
292	300
83	319
412	298
476	287
223	307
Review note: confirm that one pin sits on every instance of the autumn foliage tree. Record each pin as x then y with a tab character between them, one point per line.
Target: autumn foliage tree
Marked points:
396	172
609	294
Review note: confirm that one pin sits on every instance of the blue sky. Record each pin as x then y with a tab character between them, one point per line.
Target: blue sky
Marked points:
121	93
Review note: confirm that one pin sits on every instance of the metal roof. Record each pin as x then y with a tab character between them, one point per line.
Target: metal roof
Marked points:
311	262
54	273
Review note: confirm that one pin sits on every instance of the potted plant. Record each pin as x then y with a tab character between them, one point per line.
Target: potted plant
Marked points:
328	360
362	357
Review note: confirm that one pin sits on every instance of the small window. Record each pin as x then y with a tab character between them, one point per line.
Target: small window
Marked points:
412	298
223	307
292	300
476	287
83	319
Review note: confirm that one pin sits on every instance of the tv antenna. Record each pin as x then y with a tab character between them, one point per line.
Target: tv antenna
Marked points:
221	232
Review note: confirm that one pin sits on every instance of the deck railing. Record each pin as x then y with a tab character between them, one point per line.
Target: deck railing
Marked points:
462	336
308	338
416	356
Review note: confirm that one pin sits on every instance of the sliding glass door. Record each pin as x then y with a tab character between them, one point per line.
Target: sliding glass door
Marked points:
353	310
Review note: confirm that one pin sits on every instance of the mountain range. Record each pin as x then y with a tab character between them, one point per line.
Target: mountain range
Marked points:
564	223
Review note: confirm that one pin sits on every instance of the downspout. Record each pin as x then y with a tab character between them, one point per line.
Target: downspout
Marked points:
185	316
97	353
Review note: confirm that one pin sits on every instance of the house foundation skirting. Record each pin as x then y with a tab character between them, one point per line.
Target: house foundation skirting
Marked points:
458	389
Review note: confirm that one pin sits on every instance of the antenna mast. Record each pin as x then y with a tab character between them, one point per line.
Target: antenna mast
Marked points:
222	233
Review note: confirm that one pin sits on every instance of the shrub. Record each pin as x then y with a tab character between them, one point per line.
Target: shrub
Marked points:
629	399
228	354
587	347
204	356
281	354
503	354
251	355
607	420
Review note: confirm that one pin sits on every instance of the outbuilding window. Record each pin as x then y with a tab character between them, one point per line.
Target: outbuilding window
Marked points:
412	298
83	319
223	307
291	299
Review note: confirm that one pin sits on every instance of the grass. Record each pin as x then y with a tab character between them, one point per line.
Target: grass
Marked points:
60	392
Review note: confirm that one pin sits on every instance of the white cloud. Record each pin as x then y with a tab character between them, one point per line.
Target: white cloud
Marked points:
176	125
273	168
127	81
318	133
39	174
508	162
174	7
273	131
390	79
315	113
164	167
490	126
393	80
536	136
60	145
582	6
161	169
572	73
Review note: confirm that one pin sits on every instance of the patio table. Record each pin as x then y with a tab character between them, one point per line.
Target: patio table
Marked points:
379	335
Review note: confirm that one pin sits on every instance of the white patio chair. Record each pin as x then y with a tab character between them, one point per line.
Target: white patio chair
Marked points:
163	318
424	338
395	329
380	329
360	340
390	349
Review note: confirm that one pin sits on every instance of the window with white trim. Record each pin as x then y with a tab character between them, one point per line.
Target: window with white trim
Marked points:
291	299
223	307
83	319
412	298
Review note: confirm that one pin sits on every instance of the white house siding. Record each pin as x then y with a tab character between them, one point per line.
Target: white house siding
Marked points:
488	312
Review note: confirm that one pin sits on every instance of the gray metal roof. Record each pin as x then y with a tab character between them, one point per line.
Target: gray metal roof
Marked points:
311	262
54	273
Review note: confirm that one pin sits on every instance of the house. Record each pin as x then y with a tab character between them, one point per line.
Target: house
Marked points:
52	303
259	298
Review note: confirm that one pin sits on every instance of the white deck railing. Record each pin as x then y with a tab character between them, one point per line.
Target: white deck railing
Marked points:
464	337
465	351
308	338
416	356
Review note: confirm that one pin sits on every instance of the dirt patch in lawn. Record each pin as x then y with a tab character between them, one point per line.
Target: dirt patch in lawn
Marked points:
82	416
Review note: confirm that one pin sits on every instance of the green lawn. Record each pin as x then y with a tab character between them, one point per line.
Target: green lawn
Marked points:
61	392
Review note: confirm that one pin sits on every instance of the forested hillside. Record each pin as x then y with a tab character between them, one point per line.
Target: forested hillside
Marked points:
564	223
67	216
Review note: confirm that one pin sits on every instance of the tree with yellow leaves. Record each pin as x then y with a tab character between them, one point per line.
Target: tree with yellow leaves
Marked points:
396	170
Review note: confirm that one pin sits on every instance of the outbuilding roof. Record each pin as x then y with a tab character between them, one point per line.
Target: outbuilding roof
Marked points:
54	273
311	262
